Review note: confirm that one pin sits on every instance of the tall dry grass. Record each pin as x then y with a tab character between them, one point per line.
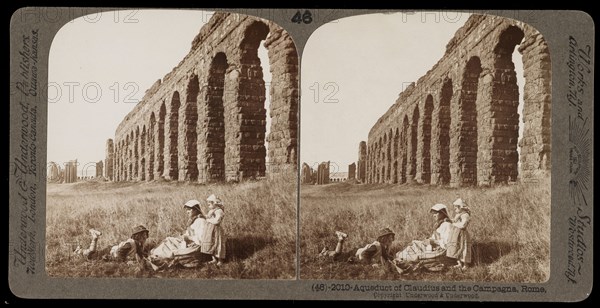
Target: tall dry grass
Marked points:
510	228
260	225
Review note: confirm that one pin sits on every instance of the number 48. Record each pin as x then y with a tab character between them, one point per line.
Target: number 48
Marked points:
302	18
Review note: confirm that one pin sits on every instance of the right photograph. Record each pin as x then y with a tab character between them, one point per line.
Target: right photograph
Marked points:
426	149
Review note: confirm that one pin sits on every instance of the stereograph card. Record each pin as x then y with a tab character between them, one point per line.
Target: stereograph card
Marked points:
301	154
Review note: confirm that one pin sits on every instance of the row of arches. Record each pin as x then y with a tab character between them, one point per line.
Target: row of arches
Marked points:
213	127
466	131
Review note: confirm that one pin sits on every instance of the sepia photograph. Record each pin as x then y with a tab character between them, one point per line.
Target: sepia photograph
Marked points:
172	147
426	149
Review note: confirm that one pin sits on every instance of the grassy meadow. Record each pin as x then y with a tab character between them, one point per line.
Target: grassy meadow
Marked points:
510	228
260	225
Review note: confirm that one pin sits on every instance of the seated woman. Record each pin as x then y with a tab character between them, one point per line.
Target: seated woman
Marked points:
429	253
184	249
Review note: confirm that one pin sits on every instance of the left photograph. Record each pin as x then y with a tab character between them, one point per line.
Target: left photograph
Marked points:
172	147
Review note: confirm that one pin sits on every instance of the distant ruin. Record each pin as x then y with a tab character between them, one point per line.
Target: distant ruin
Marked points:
205	121
351	171
70	172
459	124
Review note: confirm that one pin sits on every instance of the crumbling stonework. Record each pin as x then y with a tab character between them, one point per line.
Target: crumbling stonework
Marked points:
70	173
53	173
351	171
306	174
206	120
323	173
109	160
459	123
361	165
99	169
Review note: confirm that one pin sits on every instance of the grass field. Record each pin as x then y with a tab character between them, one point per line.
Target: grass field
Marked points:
260	224
510	228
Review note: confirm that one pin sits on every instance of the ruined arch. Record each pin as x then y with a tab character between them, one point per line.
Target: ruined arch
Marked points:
213	167
172	159
160	141
150	146
143	154
395	160
413	144
426	139
128	158
536	140
189	170
136	153
443	129
252	92
504	108
244	98
467	144
122	160
404	141
389	156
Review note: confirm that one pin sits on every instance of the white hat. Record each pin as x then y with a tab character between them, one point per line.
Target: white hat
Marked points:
192	203
213	198
439	207
460	203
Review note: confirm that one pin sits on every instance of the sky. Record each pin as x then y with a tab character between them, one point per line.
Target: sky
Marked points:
353	70
100	66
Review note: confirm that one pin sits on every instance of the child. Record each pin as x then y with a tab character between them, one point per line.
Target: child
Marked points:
459	237
370	253
213	241
120	252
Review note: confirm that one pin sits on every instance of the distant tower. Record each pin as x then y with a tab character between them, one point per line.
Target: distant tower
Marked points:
362	162
109	161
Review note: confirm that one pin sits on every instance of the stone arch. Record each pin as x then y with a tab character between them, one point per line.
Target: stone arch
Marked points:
414	124
116	161
389	156
443	129
536	140
150	146
172	133
380	159
371	159
504	108
127	158
143	154
283	92
252	151
404	142
160	141
396	145
136	154
466	126
426	140
213	165
384	158
121	160
189	124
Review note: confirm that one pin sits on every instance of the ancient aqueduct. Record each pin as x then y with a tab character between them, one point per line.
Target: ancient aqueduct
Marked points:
459	123
205	121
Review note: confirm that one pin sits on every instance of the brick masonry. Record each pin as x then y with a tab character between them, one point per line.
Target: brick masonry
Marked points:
459	124
205	121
